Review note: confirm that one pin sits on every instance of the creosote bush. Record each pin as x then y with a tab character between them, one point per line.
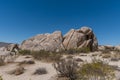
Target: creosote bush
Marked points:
81	50
96	70
46	56
66	68
42	55
24	52
2	61
1	78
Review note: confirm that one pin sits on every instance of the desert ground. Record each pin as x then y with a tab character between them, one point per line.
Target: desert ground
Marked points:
51	72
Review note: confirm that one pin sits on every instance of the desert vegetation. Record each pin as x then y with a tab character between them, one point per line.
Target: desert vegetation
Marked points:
96	70
2	61
40	71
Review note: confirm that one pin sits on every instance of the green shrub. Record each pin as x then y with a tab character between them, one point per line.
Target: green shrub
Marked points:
97	70
2	61
24	52
79	50
1	78
83	50
46	55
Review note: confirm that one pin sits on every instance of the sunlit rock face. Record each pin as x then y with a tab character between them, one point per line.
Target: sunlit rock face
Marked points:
73	39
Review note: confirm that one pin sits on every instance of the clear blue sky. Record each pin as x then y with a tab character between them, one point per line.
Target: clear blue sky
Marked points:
21	19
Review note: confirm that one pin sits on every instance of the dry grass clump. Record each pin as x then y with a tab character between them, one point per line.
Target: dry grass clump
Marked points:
17	71
24	52
40	71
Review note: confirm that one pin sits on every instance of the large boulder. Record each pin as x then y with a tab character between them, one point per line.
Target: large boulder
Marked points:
47	42
80	38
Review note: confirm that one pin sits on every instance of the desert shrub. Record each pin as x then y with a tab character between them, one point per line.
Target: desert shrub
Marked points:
1	78
45	55
66	68
79	50
40	71
40	55
2	61
24	52
83	50
97	70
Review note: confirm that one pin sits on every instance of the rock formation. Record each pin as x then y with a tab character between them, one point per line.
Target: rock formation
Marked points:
74	39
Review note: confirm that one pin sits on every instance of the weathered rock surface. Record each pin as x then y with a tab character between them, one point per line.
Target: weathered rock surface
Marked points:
83	37
48	42
80	38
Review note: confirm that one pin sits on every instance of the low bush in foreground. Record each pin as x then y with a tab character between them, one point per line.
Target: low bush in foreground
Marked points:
1	78
66	68
2	61
24	52
97	70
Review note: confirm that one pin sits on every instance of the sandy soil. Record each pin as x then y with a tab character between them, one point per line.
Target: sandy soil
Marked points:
30	69
28	74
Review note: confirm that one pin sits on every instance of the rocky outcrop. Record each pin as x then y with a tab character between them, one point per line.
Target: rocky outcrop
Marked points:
48	42
80	38
83	37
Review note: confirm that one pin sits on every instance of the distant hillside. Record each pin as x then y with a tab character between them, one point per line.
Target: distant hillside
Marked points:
3	44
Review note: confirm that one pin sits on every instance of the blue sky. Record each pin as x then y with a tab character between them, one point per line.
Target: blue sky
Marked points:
21	19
